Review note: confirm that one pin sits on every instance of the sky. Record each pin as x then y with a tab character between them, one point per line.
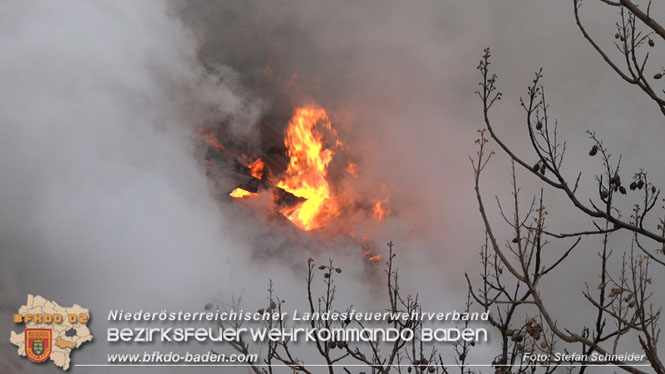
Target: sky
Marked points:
105	201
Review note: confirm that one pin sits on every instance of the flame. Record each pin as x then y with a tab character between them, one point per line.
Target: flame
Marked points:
256	168
210	138
375	258
306	175
352	169
379	212
320	199
239	193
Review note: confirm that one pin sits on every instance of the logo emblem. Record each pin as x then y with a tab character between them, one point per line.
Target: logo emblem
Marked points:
38	343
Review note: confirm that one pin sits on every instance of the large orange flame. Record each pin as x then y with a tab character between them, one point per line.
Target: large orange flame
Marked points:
311	144
306	175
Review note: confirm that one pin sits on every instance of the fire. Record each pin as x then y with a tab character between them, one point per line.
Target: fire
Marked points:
307	172
310	193
239	193
256	168
379	212
368	255
352	169
210	138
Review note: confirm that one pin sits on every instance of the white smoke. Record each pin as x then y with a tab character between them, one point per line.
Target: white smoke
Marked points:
103	200
104	203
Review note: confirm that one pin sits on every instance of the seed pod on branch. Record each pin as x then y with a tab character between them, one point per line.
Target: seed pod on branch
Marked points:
536	167
593	150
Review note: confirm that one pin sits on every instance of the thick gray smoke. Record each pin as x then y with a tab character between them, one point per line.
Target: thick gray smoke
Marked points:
104	200
400	77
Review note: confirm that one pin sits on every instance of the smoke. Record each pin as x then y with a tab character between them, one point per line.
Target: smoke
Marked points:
104	199
398	80
104	202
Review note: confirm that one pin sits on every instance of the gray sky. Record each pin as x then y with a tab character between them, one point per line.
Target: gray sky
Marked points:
105	203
